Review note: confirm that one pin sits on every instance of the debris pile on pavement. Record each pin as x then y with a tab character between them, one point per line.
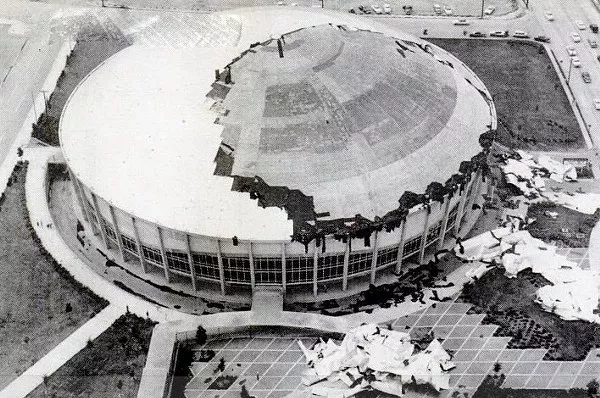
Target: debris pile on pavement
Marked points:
528	174
373	358
574	291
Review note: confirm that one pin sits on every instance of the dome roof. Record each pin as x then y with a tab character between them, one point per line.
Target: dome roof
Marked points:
348	116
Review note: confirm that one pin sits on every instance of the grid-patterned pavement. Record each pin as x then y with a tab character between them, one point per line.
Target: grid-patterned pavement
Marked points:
578	255
269	367
476	351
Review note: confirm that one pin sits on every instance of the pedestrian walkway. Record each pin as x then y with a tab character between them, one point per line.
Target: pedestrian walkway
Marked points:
42	222
57	357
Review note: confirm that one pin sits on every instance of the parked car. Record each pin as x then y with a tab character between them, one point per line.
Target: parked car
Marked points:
576	62
598	58
543	39
437	9
593	43
549	16
352	11
521	34
499	33
597	103
571	51
387	8
580	25
586	77
477	34
594	28
575	36
376	9
490	10
461	21
447	10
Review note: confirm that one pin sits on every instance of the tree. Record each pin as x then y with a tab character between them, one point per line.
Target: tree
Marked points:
200	335
244	393
497	367
221	365
593	388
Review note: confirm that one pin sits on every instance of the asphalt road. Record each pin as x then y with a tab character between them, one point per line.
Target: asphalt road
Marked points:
26	61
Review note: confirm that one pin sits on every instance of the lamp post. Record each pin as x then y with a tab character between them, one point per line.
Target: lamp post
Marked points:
569	74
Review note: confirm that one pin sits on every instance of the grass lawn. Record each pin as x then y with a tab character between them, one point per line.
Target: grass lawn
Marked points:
533	110
95	44
34	294
110	366
508	302
577	226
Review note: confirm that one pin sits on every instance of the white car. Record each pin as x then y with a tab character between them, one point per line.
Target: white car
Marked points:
461	21
597	103
490	10
437	9
376	9
521	34
593	43
549	16
580	25
571	51
447	10
387	8
576	62
575	36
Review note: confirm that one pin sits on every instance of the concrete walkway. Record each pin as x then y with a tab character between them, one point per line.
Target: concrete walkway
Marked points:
37	205
59	355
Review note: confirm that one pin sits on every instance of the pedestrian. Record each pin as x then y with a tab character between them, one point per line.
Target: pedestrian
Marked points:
257	376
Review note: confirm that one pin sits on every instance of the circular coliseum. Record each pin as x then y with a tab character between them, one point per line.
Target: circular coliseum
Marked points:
276	151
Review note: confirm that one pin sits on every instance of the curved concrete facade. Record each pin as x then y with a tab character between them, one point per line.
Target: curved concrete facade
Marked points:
217	261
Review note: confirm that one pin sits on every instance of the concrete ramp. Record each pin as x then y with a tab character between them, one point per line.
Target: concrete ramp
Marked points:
267	300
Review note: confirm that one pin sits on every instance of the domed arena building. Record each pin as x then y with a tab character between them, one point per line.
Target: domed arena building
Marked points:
296	148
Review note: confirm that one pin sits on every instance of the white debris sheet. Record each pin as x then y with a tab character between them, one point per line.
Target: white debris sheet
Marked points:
370	357
528	174
574	291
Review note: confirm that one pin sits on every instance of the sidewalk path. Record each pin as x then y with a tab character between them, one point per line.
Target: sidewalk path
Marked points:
37	205
57	357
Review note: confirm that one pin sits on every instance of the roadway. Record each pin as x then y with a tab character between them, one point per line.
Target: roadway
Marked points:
28	54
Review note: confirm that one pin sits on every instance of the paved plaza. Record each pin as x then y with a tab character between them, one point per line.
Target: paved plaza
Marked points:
271	367
476	350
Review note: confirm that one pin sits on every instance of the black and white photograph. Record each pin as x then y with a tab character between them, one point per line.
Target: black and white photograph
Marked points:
299	199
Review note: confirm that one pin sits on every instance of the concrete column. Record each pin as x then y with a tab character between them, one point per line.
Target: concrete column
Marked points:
459	212
252	276
86	209
283	267
163	254
139	245
444	224
117	231
374	259
345	271
79	195
401	247
424	237
221	270
99	218
315	268
188	248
